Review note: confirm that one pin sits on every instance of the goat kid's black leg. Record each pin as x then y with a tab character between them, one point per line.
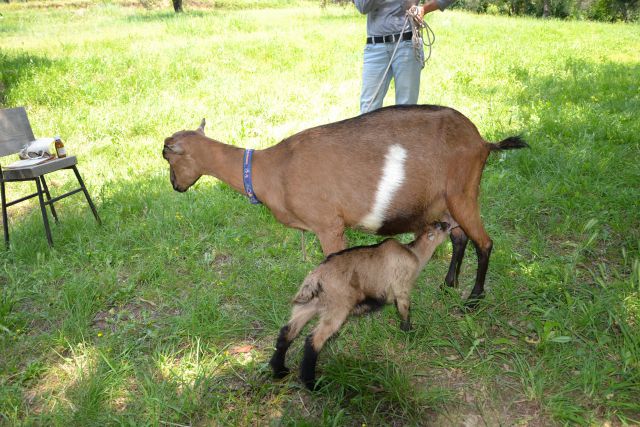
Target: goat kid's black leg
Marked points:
277	360
405	323
459	242
308	367
477	293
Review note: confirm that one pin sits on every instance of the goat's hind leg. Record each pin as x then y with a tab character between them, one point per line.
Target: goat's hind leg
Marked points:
459	242
466	212
329	324
300	316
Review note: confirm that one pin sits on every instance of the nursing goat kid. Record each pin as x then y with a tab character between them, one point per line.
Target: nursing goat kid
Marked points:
356	281
394	170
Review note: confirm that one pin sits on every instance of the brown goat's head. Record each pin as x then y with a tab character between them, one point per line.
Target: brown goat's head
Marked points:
179	152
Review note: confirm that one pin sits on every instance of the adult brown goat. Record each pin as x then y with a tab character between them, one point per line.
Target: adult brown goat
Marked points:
394	170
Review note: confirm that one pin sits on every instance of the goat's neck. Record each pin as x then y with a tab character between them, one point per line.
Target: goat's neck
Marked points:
222	161
225	163
424	248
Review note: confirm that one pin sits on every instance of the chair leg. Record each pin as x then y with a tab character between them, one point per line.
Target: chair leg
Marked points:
46	192
86	194
43	208
5	217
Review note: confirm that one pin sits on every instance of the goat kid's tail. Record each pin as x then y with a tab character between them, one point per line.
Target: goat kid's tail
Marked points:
511	143
310	289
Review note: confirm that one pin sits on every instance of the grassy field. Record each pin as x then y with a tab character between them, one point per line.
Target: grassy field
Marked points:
168	313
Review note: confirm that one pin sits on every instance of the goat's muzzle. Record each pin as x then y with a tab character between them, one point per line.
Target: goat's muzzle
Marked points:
172	177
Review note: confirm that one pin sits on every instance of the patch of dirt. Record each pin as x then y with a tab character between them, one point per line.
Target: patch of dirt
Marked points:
51	389
478	404
135	311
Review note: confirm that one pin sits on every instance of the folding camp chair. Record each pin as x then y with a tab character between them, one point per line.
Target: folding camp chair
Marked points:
15	133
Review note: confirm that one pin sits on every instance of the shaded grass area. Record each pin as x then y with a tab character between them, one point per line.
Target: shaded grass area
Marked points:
168	313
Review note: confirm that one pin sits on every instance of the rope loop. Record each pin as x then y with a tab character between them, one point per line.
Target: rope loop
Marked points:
418	25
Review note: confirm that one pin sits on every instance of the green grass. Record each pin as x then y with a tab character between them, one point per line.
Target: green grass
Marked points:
144	320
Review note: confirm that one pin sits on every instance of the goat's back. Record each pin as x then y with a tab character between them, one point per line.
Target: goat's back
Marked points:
368	270
339	167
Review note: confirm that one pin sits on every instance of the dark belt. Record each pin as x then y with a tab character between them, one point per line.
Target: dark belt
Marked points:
389	38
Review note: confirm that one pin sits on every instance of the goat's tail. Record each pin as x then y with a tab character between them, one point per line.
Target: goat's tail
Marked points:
511	143
310	289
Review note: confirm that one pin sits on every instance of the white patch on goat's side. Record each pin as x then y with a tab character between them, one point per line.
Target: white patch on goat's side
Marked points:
390	181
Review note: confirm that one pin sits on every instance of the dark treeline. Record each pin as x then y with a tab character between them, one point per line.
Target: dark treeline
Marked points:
599	10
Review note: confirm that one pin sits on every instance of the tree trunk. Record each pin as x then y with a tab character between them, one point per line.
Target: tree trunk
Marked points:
545	9
177	5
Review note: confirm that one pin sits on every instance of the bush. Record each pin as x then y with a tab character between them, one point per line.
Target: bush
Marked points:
600	10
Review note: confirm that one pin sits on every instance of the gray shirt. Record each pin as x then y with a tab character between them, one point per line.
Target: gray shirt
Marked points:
387	16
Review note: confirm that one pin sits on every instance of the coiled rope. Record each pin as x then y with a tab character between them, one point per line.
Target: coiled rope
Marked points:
418	25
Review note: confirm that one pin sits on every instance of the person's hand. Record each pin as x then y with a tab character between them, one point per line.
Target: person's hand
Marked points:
428	6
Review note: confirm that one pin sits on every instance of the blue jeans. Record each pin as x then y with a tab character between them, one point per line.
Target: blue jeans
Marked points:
405	70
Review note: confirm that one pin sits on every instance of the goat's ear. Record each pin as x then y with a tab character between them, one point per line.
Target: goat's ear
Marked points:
444	226
173	148
201	128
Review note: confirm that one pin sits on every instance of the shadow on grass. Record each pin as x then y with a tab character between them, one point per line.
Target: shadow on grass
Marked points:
584	133
200	383
15	68
586	104
161	290
192	258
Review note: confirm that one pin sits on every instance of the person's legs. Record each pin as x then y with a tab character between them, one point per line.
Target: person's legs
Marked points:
376	60
406	73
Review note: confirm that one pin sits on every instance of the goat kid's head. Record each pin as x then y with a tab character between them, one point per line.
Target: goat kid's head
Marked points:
179	150
438	229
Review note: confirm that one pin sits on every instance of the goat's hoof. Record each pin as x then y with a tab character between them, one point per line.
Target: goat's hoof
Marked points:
405	326
280	372
450	284
472	302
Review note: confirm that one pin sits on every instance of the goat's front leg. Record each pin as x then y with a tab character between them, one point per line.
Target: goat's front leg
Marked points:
403	305
332	240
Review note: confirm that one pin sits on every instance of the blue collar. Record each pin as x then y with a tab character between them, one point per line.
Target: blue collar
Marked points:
246	177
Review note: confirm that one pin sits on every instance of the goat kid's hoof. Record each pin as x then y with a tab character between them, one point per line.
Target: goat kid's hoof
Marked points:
280	373
310	383
405	326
